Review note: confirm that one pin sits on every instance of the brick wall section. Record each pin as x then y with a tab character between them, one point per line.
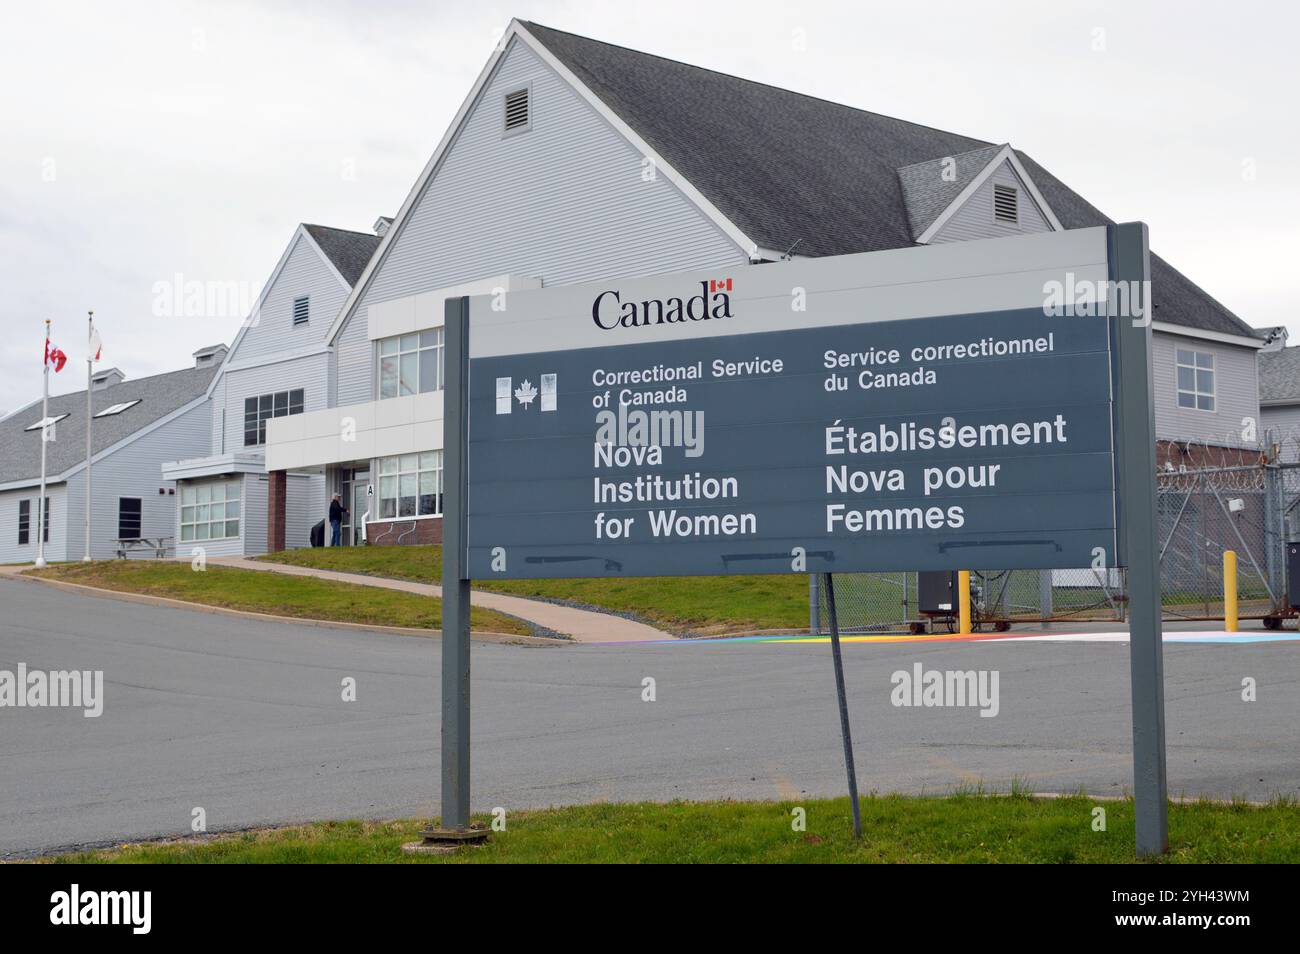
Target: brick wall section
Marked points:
382	533
276	501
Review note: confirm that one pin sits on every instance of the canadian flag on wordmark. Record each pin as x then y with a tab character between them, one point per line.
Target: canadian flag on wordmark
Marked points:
53	356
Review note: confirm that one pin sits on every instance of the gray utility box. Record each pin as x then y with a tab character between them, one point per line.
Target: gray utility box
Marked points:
1293	574
936	592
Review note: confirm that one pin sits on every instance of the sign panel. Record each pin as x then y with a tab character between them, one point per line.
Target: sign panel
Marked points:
910	410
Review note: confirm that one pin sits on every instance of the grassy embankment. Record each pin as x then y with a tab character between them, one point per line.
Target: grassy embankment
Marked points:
261	592
958	828
699	604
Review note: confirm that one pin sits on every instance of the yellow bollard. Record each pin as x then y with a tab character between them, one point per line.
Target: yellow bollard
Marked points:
963	602
1230	591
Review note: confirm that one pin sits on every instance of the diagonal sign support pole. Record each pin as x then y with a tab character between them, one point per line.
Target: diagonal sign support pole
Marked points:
845	732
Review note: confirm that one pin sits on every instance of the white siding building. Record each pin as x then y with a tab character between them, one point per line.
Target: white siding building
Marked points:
572	160
137	425
1279	399
279	366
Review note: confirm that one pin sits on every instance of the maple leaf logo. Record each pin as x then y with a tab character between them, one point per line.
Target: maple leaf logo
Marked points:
526	393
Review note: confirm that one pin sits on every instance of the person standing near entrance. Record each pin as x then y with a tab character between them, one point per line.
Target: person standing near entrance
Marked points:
337	510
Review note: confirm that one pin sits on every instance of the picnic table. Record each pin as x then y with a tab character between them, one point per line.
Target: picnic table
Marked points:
159	545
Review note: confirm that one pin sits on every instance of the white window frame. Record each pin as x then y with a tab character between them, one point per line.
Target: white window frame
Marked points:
199	498
139	530
399	347
1189	359
262	416
424	469
31	519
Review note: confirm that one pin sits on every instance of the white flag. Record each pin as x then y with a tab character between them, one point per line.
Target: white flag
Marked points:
96	345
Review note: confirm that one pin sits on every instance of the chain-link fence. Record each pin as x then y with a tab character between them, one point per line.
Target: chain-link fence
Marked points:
1250	508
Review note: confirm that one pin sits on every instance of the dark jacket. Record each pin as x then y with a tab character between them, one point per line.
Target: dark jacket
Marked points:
337	510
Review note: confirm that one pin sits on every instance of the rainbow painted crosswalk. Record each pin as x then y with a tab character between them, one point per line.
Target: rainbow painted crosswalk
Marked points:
1213	637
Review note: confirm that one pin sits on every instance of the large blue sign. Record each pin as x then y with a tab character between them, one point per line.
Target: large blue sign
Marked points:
932	442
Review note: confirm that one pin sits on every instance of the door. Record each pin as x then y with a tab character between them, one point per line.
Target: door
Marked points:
360	504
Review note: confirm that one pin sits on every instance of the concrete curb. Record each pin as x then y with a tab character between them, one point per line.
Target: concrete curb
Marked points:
508	639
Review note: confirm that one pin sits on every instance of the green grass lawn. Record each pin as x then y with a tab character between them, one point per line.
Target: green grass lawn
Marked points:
700	604
958	828
262	592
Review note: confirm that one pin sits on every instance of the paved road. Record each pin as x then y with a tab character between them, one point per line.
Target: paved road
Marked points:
245	720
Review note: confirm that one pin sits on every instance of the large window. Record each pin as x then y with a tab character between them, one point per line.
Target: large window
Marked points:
258	410
128	518
410	485
1195	379
25	521
210	510
410	364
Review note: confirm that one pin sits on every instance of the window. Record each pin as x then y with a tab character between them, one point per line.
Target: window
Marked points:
410	485
44	422
518	112
128	518
1195	370
301	309
210	510
410	364
1005	203
116	408
25	522
258	410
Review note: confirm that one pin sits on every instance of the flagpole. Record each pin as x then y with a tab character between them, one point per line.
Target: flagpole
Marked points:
90	365
45	431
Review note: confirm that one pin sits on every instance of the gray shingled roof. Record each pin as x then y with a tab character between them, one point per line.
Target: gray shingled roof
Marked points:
159	395
927	194
787	168
348	251
1279	376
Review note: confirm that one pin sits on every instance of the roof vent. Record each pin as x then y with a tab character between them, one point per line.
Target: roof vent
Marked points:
518	110
1005	202
106	379
210	356
300	310
382	225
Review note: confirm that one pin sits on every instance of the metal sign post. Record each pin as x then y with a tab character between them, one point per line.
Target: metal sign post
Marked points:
1136	464
455	588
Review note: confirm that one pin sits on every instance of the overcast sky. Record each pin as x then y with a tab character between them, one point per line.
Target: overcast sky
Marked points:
142	141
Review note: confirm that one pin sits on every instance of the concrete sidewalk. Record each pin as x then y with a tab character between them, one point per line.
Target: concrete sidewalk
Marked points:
584	626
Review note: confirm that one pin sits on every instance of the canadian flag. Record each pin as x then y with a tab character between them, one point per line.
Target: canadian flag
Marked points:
96	345
54	357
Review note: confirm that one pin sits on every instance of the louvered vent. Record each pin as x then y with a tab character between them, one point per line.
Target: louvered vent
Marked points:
300	309
1005	202
517	107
